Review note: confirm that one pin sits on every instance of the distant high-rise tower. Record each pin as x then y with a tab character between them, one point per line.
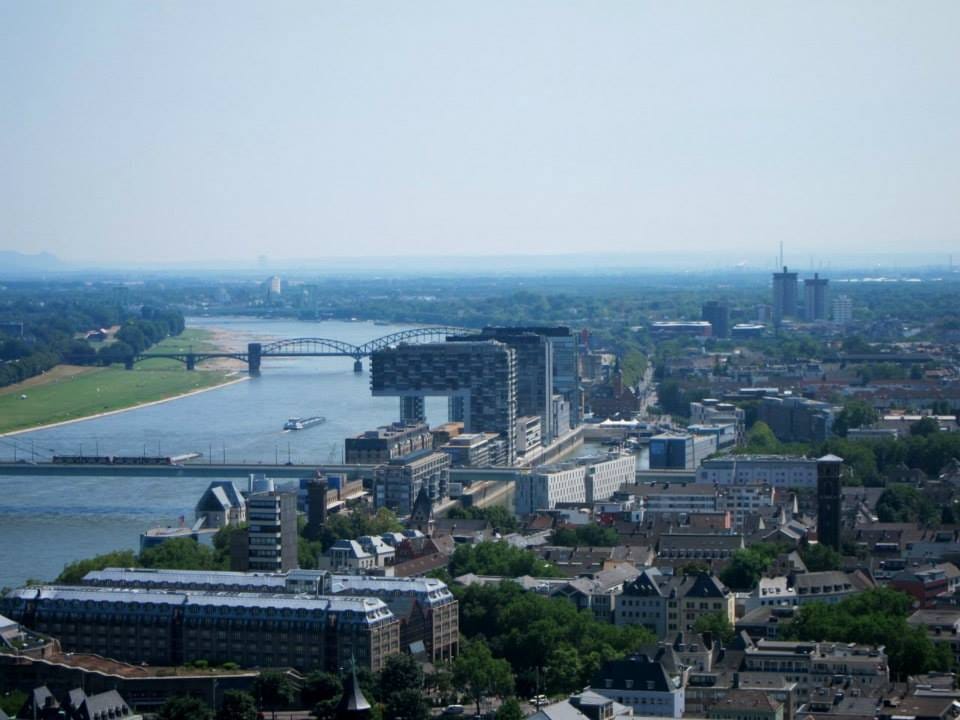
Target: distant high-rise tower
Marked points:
842	310
784	295
815	298
718	315
829	501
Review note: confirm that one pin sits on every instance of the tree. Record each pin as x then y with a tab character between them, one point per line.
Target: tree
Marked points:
925	427
400	672
406	704
820	557
510	710
563	668
73	573
761	439
185	707
481	674
903	503
117	352
747	565
237	705
321	687
716	623
499	558
11	702
273	691
855	414
181	554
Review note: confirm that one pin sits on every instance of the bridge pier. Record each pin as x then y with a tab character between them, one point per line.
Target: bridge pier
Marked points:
191	361
358	366
253	358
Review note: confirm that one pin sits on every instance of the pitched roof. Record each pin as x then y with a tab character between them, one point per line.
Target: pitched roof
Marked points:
100	705
422	507
352	700
642	673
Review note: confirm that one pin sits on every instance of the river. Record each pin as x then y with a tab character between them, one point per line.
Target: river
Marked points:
46	522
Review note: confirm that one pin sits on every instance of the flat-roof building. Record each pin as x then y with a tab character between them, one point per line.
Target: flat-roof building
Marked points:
397	484
482	375
387	442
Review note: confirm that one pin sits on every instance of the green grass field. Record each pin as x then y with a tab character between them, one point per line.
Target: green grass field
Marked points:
97	390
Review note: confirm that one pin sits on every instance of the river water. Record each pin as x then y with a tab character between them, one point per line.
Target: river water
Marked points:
46	522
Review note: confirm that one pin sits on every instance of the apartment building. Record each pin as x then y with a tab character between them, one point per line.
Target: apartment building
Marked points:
818	664
397	484
171	627
668	604
425	607
584	480
778	471
387	442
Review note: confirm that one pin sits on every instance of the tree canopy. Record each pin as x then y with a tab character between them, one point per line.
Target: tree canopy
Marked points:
185	707
480	674
499	558
874	617
747	565
532	632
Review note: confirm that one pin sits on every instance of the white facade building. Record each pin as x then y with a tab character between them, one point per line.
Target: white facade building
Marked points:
778	471
584	480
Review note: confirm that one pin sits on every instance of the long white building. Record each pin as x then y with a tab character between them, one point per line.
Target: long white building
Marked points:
779	471
584	480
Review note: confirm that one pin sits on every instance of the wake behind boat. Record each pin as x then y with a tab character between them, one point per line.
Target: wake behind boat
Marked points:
303	423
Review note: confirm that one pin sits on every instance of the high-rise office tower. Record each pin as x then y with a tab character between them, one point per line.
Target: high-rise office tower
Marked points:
538	379
829	500
784	295
815	298
718	315
534	355
482	373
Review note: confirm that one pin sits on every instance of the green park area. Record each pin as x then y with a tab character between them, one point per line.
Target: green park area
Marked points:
69	392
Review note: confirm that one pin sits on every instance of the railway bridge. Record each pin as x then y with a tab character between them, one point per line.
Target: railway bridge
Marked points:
308	347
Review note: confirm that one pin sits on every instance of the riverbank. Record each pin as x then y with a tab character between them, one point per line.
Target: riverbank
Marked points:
70	394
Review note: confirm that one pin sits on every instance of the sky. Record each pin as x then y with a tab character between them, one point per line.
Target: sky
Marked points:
184	131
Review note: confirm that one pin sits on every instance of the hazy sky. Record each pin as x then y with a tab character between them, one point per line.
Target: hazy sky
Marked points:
166	131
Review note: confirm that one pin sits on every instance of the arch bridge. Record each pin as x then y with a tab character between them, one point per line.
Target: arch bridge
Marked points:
309	347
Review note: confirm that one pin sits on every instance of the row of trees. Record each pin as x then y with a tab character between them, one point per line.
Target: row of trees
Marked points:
177	554
400	690
50	330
